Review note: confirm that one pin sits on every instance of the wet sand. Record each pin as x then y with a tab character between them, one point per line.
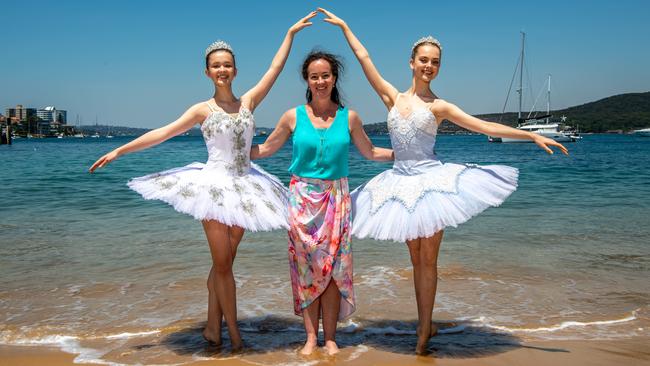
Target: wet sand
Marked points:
619	352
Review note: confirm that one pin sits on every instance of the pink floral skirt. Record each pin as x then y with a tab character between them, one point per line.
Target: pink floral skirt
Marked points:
319	241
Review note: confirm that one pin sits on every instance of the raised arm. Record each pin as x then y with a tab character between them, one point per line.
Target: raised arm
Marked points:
277	138
363	143
444	110
386	91
255	96
191	117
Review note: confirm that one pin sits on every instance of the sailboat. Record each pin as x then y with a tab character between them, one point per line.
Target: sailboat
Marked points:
79	134
96	134
541	125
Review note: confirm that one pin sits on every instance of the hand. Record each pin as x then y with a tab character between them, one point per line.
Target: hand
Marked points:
545	142
331	18
302	23
101	162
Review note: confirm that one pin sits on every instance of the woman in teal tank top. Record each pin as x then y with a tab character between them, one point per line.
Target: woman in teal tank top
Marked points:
320	253
320	153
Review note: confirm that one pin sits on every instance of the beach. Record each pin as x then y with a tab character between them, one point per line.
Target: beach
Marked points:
92	273
630	352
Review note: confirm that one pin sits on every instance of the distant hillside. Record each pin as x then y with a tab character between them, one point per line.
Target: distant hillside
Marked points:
623	112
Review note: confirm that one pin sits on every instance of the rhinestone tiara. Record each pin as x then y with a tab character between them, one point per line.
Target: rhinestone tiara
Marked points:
427	39
218	45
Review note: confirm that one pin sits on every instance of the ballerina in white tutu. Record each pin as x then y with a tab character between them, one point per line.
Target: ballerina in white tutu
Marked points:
420	196
228	193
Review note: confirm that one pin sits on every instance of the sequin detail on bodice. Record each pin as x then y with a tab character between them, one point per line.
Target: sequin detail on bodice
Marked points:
414	136
228	139
416	168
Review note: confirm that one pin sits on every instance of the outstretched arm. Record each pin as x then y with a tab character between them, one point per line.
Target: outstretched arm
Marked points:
255	96
191	117
444	110
386	91
363	143
277	138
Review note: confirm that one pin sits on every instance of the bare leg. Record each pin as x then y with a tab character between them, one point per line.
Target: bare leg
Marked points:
414	251
424	256
311	316
223	279
330	304
212	331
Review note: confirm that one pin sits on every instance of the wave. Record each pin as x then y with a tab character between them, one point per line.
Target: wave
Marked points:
557	327
361	333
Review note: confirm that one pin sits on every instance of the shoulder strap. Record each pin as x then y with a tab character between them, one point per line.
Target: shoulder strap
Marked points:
301	113
212	109
300	116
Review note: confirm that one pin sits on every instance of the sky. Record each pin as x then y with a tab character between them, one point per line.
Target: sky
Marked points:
141	63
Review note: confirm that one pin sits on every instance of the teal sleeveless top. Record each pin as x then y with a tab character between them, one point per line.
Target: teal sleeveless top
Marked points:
320	153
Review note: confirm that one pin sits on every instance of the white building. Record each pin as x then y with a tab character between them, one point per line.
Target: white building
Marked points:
51	114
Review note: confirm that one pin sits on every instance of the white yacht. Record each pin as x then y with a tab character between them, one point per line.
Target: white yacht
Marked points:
643	132
548	129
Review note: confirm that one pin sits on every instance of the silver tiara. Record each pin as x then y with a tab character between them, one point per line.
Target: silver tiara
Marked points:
218	45
427	39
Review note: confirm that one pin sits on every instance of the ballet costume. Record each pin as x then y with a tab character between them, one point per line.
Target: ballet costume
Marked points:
421	195
228	188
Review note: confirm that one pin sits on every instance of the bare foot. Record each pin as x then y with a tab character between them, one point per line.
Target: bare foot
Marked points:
423	338
421	346
309	346
236	346
331	348
212	337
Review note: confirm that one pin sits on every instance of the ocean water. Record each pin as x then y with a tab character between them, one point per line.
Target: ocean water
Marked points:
91	267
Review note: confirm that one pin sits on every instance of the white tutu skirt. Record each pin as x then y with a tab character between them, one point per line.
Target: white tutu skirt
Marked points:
256	201
417	200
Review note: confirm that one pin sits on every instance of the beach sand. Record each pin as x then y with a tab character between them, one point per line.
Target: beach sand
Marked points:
633	351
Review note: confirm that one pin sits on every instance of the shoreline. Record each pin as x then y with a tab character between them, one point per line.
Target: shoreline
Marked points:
632	351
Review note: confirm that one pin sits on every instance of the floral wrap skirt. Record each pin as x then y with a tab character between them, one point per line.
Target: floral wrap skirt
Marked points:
319	241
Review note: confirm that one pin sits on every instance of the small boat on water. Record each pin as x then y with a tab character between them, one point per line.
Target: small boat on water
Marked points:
645	132
548	129
541	125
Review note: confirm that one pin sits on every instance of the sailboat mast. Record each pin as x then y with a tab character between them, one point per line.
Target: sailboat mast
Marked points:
548	99
521	75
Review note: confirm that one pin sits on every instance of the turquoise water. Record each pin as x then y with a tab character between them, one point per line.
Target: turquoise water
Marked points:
85	262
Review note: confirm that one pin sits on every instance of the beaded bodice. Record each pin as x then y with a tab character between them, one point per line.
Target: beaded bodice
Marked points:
228	139
414	136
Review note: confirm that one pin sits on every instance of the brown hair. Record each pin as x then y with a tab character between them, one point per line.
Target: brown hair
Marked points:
337	68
